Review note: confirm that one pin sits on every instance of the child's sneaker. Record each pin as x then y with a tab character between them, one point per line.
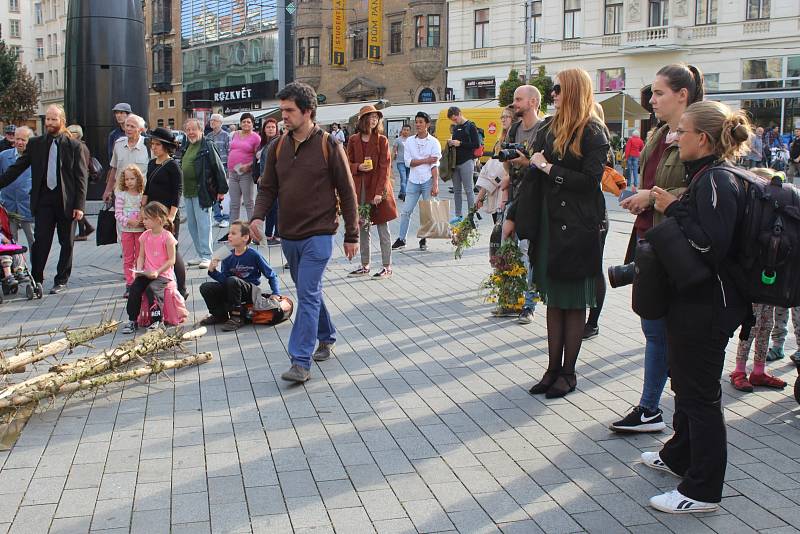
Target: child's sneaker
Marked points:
129	328
767	380
155	325
774	354
740	382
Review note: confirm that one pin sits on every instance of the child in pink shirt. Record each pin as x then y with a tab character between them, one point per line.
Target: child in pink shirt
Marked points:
127	204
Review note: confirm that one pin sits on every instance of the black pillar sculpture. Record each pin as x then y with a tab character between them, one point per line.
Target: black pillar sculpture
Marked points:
105	64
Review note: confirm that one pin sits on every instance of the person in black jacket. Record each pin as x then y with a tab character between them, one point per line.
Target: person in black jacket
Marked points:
58	193
465	138
701	319
563	185
794	156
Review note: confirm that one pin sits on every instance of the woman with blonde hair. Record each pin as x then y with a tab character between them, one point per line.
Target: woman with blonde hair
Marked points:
571	148
702	318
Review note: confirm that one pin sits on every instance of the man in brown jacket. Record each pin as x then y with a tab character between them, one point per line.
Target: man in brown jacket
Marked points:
306	170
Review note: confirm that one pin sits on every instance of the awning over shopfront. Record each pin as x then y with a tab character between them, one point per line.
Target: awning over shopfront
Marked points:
340	113
612	104
256	113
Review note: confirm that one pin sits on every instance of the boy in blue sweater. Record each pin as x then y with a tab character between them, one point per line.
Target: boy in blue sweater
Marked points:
234	280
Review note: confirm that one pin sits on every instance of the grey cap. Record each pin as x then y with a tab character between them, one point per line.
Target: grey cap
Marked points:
10	129
122	106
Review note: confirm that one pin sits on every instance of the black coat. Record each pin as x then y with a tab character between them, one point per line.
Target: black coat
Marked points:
575	204
74	173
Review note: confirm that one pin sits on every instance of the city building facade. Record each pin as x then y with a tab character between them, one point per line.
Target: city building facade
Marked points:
16	31
164	62
372	49
49	26
231	55
749	50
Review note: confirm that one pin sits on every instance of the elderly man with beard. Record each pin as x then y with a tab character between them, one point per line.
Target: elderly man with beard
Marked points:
58	193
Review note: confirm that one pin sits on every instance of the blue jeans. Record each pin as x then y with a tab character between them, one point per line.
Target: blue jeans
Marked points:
415	191
655	362
271	222
307	260
218	215
199	221
633	171
403	171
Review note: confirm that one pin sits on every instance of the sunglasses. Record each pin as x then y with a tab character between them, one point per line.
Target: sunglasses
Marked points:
557	89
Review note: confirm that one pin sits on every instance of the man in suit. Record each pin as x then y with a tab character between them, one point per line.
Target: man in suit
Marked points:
58	193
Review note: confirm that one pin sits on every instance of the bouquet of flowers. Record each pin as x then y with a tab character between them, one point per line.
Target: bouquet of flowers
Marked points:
464	234
506	286
364	215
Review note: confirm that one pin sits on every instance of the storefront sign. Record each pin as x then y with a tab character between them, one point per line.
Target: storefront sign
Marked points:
485	82
375	31
240	96
339	29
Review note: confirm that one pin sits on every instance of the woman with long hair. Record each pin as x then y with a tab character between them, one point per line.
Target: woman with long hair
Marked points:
567	166
702	318
269	132
674	88
491	198
370	163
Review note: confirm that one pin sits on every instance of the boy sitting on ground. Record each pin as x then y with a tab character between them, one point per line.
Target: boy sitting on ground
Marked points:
236	279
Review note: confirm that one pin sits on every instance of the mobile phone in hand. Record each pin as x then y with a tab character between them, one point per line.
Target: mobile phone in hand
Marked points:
625	194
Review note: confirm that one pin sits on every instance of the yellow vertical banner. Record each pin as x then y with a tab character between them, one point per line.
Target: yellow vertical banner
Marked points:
339	33
375	31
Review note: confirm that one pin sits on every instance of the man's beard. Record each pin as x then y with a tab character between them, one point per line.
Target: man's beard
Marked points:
53	130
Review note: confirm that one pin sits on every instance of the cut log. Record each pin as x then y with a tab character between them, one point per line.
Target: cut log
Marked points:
154	367
70	340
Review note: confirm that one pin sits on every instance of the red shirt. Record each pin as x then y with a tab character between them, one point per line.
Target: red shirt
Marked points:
633	148
644	221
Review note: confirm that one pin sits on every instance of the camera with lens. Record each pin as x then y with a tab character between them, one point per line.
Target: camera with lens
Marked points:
651	288
621	275
508	151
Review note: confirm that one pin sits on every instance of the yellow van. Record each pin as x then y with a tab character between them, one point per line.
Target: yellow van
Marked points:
488	119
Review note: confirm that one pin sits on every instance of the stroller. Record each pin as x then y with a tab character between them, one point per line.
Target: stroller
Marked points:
22	276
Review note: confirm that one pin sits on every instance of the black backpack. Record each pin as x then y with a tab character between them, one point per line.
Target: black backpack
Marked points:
769	240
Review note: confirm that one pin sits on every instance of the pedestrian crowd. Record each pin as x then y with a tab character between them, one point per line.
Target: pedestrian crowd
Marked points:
543	189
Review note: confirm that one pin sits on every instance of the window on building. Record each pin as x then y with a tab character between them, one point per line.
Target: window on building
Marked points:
49	44
793	71
359	42
16	51
536	21
160	104
419	31
39	48
172	102
481	28
572	19
160	123
433	31
611	79
613	22
171	123
53	10
313	50
55	44
37	13
301	51
762	73
711	81
706	12
658	13
14	29
13	6
396	38
40	81
56	83
757	9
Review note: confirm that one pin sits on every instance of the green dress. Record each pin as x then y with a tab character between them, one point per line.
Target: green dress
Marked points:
563	294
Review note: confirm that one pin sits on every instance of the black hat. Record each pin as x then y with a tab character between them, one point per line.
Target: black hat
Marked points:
422	115
163	136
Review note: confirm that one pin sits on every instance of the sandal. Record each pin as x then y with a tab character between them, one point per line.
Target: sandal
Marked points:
766	380
565	383
544	384
740	382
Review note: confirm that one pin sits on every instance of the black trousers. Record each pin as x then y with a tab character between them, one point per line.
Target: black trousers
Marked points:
224	298
155	294
50	219
180	266
698	449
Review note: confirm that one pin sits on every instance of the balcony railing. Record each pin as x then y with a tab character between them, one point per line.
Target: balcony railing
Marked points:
162	27
162	81
663	38
756	26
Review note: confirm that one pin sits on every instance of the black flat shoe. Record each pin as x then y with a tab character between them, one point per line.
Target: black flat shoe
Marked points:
565	383
544	384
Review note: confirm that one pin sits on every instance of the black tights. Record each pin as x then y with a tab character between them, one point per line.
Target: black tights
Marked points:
180	266
600	288
564	336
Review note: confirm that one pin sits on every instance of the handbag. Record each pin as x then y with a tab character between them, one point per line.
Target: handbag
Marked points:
434	219
106	231
682	262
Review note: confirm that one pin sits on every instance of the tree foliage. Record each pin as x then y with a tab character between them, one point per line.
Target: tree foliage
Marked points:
545	85
508	87
19	93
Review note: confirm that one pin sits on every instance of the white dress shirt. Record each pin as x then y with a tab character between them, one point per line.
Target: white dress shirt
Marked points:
421	148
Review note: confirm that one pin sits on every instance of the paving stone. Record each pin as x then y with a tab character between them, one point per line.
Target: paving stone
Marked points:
351	520
190	507
71	525
44	491
117	486
33	519
395	526
501	507
338	494
409	487
599	521
152	496
298	484
428	516
151	522
272	524
307	512
230	517
225	490
381	504
77	502
112	513
200	527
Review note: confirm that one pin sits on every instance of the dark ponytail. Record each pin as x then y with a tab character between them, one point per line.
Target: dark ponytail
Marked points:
682	76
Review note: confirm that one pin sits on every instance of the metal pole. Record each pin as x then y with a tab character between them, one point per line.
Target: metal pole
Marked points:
528	51
622	122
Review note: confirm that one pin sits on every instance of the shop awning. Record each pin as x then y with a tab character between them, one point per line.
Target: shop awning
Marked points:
340	113
612	107
256	113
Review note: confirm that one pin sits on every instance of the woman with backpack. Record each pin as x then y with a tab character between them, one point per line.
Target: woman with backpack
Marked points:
702	318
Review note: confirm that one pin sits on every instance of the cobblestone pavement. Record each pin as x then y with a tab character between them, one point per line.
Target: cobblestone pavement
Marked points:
422	422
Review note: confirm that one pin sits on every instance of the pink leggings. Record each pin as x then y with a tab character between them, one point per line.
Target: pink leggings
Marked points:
130	251
759	333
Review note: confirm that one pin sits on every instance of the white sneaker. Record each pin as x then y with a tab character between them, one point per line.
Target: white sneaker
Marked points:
653	460
224	224
203	264
193	262
674	502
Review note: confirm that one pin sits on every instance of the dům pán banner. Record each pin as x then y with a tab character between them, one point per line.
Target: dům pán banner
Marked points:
375	31
339	32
